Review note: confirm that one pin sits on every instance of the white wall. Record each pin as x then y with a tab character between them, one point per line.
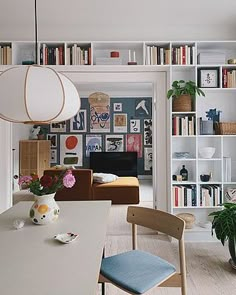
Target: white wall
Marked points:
119	20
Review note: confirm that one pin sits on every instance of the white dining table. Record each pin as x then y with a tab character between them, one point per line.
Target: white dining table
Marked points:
33	262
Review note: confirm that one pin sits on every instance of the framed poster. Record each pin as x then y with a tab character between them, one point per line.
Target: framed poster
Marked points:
79	122
99	112
53	139
135	126
120	122
134	144
58	127
208	77
114	143
147	159
71	150
53	159
117	107
93	143
147	131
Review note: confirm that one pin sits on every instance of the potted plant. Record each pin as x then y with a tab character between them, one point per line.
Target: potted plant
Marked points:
224	225
42	131
182	93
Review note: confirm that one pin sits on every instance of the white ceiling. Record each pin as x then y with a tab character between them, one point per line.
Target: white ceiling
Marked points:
118	20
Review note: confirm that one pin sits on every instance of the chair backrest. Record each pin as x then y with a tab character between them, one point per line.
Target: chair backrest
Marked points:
157	220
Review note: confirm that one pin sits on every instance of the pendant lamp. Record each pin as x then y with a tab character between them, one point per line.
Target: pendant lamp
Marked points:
36	94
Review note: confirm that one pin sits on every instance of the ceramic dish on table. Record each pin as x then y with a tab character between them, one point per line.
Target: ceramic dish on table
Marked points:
66	238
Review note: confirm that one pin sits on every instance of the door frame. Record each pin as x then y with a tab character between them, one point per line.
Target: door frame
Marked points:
158	79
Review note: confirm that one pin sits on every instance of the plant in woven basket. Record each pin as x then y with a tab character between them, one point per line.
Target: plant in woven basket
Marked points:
183	92
224	225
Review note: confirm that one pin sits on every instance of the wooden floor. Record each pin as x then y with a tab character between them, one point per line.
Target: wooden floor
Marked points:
208	270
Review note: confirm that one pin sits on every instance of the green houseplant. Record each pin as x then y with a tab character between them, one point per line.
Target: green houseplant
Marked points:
224	225
183	92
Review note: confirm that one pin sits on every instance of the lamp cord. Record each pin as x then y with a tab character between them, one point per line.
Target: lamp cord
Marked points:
36	32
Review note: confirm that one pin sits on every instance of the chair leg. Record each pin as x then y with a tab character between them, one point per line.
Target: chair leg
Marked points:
103	288
103	284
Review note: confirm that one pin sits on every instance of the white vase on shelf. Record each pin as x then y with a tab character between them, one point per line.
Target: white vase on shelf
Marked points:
44	209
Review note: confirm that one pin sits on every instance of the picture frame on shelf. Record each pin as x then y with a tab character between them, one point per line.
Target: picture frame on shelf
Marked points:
208	78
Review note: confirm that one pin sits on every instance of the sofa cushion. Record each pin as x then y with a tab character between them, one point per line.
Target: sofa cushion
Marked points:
104	177
125	190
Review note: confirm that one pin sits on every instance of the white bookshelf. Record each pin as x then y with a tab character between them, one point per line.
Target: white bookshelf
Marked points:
221	98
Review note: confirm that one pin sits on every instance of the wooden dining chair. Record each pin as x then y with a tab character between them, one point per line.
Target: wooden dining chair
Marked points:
136	272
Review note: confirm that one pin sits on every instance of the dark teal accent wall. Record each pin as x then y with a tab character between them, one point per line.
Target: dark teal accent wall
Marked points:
135	108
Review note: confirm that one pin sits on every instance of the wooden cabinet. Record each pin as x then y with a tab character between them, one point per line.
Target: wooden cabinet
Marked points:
34	156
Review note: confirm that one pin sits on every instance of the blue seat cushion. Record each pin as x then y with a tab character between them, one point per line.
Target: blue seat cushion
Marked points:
136	271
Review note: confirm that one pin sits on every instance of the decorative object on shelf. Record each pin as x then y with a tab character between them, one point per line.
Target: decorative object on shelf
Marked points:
182	155
42	132
34	131
225	128
115	54
206	127
66	238
183	93
213	115
232	61
205	177
230	195
207	152
45	209
188	218
184	173
132	61
208	77
38	94
224	225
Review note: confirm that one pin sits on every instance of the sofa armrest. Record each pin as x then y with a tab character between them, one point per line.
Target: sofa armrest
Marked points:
82	189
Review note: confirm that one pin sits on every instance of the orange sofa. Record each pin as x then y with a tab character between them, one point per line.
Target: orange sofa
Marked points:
124	190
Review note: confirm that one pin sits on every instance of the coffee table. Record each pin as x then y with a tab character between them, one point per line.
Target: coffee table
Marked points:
32	262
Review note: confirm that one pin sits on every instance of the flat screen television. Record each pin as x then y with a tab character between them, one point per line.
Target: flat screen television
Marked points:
118	163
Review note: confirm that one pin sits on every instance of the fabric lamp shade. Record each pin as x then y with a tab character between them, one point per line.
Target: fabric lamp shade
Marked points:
35	94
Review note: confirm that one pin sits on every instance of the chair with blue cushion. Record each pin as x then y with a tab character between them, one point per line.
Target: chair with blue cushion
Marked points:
136	272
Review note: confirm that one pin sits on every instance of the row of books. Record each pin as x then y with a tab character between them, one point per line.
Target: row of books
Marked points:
5	55
229	78
76	55
186	196
156	55
183	55
51	55
183	125
210	195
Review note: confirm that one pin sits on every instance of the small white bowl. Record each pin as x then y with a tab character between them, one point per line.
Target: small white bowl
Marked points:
66	238
207	152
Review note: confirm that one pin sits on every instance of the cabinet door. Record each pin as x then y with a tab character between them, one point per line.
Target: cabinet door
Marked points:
34	156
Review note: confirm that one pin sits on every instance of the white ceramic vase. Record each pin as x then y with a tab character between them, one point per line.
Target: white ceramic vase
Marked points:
44	210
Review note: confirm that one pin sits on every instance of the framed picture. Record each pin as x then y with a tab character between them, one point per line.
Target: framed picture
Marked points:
58	127
208	77
117	107
53	139
53	159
